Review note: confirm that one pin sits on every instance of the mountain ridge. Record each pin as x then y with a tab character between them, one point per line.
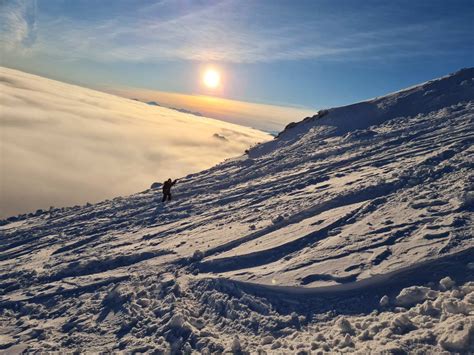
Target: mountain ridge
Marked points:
434	93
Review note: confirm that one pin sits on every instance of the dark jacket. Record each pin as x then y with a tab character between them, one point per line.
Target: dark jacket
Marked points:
167	186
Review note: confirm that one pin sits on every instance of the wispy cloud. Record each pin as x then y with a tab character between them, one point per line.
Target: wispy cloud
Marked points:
18	27
228	31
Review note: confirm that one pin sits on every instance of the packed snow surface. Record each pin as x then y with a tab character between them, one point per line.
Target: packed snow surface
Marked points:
350	232
63	145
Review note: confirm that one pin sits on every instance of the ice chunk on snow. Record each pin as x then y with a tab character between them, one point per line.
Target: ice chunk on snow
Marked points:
452	305
446	283
416	294
384	301
345	326
401	324
428	309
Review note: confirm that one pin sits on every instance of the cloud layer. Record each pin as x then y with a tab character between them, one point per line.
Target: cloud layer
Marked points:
64	145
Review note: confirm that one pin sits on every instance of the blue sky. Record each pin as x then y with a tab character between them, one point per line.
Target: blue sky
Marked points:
308	54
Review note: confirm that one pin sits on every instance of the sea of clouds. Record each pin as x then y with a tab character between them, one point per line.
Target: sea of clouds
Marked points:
64	145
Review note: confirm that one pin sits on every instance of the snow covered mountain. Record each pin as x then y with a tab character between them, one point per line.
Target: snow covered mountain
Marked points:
350	232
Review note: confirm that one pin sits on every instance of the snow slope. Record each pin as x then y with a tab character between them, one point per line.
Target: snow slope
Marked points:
351	232
63	145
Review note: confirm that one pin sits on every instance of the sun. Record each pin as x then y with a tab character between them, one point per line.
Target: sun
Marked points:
211	78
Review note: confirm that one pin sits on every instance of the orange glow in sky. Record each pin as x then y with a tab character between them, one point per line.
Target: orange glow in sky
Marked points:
261	116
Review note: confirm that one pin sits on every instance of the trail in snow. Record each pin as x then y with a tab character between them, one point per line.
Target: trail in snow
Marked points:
290	247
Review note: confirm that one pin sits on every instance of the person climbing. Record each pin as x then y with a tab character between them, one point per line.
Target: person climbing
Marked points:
167	189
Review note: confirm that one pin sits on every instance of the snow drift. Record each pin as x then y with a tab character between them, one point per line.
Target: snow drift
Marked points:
351	232
64	145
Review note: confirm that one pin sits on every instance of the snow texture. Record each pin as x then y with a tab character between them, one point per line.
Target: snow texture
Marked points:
351	232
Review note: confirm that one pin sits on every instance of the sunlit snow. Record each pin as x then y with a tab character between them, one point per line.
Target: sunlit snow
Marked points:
350	232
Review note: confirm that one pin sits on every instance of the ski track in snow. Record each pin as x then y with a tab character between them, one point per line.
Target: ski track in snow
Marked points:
291	246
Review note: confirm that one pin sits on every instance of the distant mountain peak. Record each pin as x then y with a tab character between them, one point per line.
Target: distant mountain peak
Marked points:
182	110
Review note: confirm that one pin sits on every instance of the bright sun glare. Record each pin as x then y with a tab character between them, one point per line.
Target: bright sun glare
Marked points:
211	78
